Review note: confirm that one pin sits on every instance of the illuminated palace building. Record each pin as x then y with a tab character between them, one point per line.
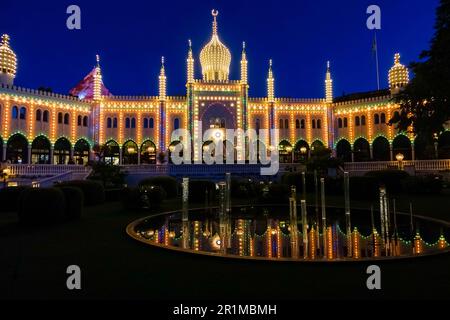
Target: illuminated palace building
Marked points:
44	127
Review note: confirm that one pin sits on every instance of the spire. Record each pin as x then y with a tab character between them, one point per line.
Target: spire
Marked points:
190	64
244	63
214	13
162	82
328	85
5	40
98	81
8	62
270	84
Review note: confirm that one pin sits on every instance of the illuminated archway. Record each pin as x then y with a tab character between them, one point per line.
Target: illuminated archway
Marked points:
444	145
130	152
112	152
148	152
361	150
402	144
81	151
61	152
344	150
40	150
380	149
301	151
17	149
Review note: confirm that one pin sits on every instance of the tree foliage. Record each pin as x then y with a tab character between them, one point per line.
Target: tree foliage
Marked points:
425	102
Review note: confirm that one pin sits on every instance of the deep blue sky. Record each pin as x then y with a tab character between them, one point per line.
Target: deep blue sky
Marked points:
131	36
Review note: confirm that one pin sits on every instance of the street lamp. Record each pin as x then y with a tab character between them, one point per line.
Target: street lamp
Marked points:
289	150
303	151
400	158
5	173
436	144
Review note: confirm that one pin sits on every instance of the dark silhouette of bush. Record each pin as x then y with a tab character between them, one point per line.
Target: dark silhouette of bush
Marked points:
391	179
74	202
243	188
10	198
364	188
275	193
429	184
198	189
41	206
169	184
93	191
146	197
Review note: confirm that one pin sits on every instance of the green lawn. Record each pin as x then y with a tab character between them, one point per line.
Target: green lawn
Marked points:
33	264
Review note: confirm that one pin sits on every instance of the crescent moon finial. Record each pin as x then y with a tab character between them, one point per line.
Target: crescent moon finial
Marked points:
214	13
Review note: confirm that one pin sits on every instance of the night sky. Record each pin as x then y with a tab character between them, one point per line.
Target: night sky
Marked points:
131	36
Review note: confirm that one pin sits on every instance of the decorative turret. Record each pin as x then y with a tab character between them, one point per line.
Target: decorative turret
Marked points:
162	82
190	65
398	75
8	62
244	63
215	58
97	94
270	84
328	85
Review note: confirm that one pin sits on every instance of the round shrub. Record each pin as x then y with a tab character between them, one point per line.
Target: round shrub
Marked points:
155	196
93	191
392	179
41	206
198	189
131	198
169	184
365	188
10	198
74	202
275	193
149	197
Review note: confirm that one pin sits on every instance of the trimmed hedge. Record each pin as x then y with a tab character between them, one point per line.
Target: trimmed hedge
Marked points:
169	184
243	188
429	184
141	197
41	206
10	198
74	202
198	188
275	193
93	191
392	179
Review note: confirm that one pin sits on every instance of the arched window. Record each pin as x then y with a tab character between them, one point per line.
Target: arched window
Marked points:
297	124
23	113
281	123
85	121
66	118
313	123
302	124
357	121
145	123
151	123
257	125
286	123
319	123
339	122
376	118
383	118
127	123
133	123
345	122
38	115
15	113
176	123
45	116
115	123
363	120
108	123
60	117
79	121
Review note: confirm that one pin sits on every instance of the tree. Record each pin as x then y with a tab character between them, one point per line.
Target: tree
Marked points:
425	102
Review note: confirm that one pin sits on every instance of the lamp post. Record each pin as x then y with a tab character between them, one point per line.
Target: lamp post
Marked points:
303	151
5	173
436	144
289	150
400	158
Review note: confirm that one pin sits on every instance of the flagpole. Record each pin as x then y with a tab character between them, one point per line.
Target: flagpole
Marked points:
376	59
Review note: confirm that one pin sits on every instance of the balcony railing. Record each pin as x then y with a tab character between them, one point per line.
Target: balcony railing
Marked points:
418	165
43	169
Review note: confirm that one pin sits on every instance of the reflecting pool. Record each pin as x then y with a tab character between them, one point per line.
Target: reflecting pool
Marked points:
275	233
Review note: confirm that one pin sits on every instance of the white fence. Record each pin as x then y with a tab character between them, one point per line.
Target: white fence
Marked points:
417	165
43	169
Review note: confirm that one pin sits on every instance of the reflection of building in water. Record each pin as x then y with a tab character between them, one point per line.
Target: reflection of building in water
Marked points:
243	237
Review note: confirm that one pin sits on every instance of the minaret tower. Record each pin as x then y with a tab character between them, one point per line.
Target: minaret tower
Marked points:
190	65
328	85
244	87
270	84
97	94
8	62
162	107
